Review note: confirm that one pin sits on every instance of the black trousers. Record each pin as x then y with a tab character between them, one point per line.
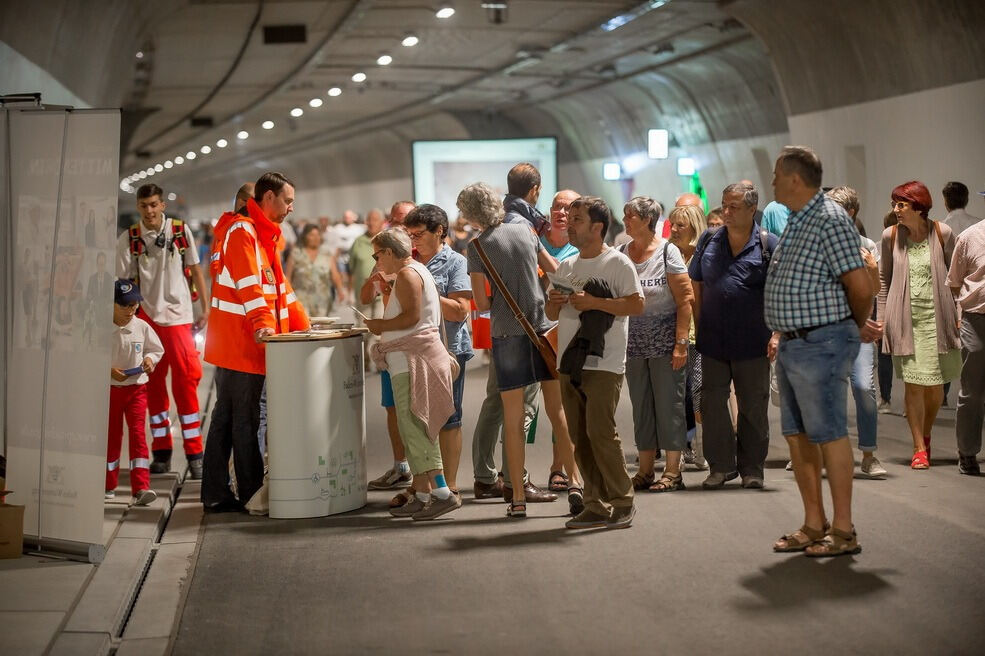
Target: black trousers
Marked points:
233	428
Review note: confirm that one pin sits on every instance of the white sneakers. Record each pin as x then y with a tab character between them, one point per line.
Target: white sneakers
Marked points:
872	468
144	497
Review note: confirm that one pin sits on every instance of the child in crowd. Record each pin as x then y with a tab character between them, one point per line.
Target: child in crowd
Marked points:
136	351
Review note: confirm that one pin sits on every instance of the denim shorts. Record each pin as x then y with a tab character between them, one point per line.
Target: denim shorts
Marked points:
458	392
518	363
386	386
813	377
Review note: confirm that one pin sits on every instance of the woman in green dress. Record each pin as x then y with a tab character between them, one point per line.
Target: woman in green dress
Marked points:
314	273
920	315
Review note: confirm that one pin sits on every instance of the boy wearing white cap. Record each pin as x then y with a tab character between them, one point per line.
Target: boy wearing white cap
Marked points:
136	351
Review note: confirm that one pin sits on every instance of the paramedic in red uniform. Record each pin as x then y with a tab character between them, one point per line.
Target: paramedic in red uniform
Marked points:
159	254
251	299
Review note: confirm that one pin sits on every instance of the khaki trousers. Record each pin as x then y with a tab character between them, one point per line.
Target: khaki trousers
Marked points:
591	414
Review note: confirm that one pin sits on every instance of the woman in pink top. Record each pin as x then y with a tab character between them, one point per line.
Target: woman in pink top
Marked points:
920	315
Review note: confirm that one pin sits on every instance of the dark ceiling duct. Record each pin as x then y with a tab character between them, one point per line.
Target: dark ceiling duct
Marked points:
275	34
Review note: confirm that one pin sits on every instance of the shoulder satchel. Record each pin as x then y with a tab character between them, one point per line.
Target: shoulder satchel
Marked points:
546	348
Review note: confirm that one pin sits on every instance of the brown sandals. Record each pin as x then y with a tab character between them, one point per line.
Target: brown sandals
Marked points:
835	543
642	481
800	539
668	483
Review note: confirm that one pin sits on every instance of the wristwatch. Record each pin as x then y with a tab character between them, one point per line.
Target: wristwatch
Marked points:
684	341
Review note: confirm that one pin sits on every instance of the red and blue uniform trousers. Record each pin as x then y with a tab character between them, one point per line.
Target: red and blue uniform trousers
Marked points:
130	402
182	360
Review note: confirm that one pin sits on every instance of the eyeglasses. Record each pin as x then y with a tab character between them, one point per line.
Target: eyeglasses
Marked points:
376	256
899	204
414	236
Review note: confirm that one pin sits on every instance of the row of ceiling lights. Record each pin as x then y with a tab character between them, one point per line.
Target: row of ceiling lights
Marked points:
408	41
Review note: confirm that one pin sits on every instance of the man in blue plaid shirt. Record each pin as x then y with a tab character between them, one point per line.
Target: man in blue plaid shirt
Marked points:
818	300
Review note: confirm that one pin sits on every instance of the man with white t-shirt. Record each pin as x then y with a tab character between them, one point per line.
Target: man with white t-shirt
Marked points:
590	391
159	254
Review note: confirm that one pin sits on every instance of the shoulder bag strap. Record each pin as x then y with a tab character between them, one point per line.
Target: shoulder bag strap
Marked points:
501	286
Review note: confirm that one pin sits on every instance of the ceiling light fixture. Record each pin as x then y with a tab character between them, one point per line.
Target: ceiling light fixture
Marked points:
179	160
410	41
168	164
315	102
151	171
142	175
621	19
172	196
384	60
205	150
359	77
242	134
140	54
657	143
297	112
222	143
686	166
158	167
267	125
445	11
611	171
334	92
191	154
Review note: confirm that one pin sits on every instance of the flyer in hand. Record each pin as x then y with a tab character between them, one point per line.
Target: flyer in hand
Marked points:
566	284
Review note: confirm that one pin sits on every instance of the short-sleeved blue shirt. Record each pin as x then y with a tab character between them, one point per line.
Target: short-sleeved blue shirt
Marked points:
732	289
819	245
450	272
559	254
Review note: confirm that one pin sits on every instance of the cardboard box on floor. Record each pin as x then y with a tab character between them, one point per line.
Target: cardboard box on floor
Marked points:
11	528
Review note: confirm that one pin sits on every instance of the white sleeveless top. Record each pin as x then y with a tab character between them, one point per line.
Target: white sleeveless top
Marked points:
396	361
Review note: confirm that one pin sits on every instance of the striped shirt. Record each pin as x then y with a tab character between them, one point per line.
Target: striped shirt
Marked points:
803	287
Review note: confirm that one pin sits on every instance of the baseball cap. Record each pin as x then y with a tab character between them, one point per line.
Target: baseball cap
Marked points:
126	293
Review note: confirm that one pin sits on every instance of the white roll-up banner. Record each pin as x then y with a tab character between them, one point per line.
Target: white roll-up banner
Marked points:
63	177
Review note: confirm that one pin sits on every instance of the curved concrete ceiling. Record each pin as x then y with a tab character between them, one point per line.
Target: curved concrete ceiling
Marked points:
689	65
842	52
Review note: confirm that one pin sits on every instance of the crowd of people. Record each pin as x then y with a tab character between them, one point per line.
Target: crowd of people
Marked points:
704	315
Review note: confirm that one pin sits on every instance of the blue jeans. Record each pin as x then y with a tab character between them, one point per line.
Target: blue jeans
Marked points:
813	377
864	390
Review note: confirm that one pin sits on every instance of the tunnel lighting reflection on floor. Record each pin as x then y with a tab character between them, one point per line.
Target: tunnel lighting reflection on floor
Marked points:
222	143
242	134
267	125
335	91
297	112
359	77
315	102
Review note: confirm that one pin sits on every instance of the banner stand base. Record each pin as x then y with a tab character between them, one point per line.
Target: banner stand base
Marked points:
65	549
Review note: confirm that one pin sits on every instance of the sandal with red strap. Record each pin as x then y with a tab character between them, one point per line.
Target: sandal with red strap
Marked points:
920	461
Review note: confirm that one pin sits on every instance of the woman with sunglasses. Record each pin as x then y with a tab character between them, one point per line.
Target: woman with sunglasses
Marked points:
427	227
918	311
410	349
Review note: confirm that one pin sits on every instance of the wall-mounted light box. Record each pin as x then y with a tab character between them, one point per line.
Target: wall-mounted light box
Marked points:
611	171
685	166
657	143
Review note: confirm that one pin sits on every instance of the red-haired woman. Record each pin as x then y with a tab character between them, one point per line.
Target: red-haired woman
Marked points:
920	315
